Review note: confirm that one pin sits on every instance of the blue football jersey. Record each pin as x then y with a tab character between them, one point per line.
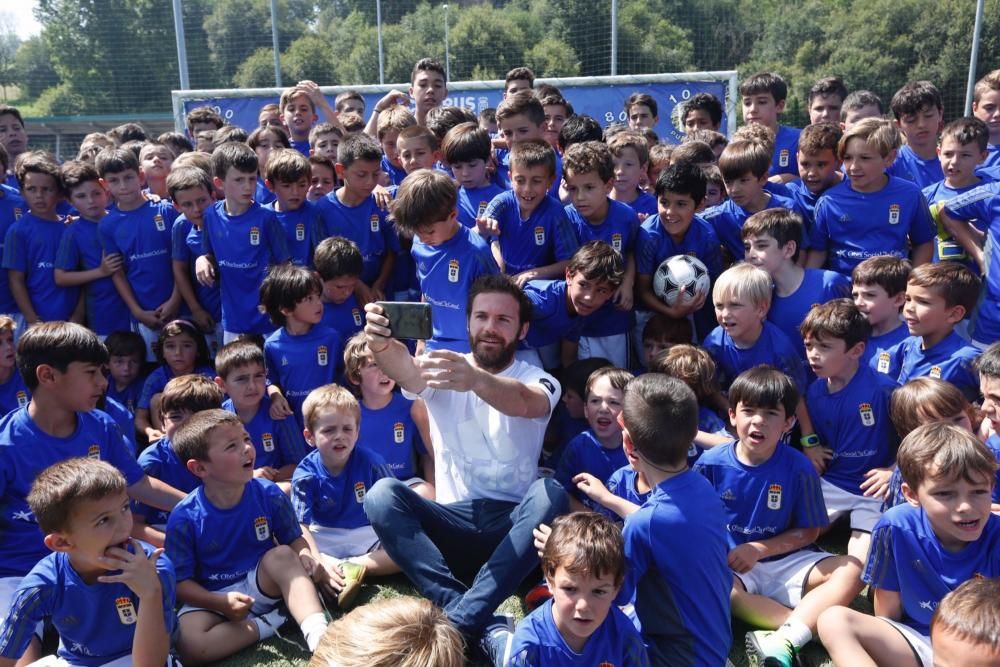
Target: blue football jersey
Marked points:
142	237
544	238
299	364
30	247
336	501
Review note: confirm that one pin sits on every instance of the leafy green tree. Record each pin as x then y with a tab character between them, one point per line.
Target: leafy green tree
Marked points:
649	43
552	57
33	70
308	57
257	71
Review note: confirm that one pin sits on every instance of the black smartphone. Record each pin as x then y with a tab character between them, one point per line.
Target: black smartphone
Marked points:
407	319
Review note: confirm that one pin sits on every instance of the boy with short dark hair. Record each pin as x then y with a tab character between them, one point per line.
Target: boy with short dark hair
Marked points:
126	355
15	140
986	107
641	111
242	239
919	114
287	176
12	207
418	148
878	288
630	157
763	97
230	575
870	213
938	297
859	105
774	513
202	118
324	139
322	177
557	111
942	536
339	265
826	97
81	506
466	149
518	79
702	112
819	168
428	87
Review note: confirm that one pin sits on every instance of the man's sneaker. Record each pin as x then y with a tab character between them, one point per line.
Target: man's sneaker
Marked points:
769	649
497	640
354	574
537	596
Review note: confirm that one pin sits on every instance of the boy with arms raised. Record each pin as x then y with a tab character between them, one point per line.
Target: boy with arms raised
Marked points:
466	150
139	231
919	113
849	406
986	107
938	297
819	168
921	550
763	97
230	575
96	570
878	288
240	241
774	513
287	175
872	213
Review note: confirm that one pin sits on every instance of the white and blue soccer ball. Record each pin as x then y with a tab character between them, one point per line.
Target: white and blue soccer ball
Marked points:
681	279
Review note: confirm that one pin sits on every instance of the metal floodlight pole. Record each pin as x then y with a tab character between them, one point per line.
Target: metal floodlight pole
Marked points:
381	55
447	48
182	59
614	37
974	57
275	43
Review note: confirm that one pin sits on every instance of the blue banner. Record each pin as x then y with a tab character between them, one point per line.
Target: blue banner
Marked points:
604	102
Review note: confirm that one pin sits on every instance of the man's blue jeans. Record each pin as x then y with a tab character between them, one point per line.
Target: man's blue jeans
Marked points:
428	540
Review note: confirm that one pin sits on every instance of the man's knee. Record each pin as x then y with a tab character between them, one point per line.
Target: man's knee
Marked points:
547	499
383	499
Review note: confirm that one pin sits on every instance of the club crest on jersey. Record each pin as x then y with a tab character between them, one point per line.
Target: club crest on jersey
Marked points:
322	358
867	414
373	221
22	398
453	271
539	235
894	214
481	211
126	611
255	236
774	497
94	452
300	232
783	157
359	492
883	362
267	440
398	433
261	529
616	242
935	372
356	314
18	212
158	220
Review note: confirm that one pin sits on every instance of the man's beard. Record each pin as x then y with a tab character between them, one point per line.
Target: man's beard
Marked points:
493	359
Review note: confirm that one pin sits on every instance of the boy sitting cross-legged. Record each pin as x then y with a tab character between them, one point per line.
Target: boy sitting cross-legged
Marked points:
774	513
942	536
237	547
95	571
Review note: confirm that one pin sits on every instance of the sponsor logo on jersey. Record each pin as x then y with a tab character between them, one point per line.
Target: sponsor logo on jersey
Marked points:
774	497
255	236
453	271
539	235
322	358
398	432
158	220
267	440
126	611
894	214
867	414
359	492
261	529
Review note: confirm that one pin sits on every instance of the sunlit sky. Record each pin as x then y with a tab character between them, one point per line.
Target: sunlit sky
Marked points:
24	22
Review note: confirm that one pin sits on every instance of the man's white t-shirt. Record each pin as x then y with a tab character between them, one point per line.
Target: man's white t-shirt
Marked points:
480	452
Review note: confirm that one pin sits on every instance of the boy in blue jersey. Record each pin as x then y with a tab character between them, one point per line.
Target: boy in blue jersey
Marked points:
241	375
80	261
774	513
126	354
819	168
584	565
391	122
264	141
676	230
329	486
12	207
418	148
298	113
287	176
240	241
534	236
322	177
763	97
872	213
396	427
598	450
849	406
630	158
351	212
61	366
139	230
988	367
192	193
919	114
32	242
466	150
302	354
962	150
921	550
324	139
772	239
986	107
339	264
938	297
110	598
231	576
561	308
521	117
14	393
449	257
743	164
155	159
596	216
878	288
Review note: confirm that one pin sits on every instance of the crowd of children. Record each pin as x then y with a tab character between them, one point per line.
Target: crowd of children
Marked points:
194	416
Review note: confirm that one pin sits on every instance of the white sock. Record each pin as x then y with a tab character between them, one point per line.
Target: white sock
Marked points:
267	625
796	632
313	628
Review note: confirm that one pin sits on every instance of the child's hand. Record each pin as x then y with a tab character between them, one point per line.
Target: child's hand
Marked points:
382	197
592	487
204	271
744	557
623	297
154	434
541	534
522	278
111	263
488	227
237	605
203	320
280	409
312	90
149	318
819	457
265	472
392	98
137	571
166	311
876	484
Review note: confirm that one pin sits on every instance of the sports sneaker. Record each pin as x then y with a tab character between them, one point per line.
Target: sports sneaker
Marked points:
537	596
497	640
354	574
769	649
